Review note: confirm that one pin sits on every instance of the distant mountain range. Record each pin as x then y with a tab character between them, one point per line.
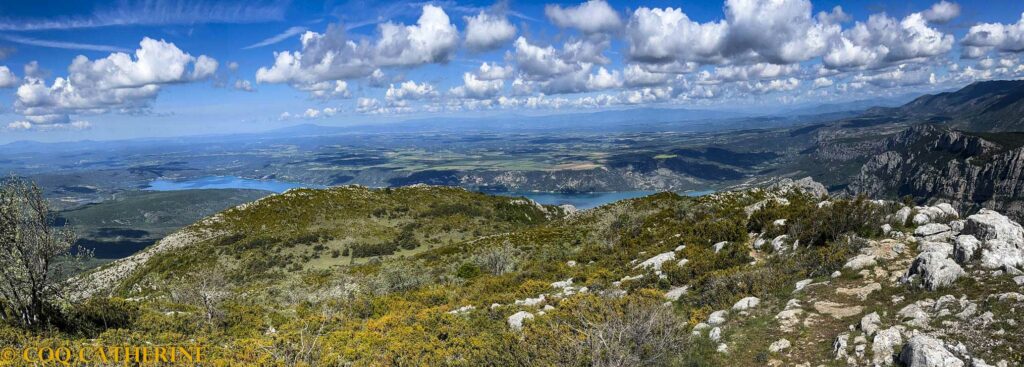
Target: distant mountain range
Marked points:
982	107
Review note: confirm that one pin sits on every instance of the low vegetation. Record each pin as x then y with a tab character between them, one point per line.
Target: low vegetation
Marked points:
431	276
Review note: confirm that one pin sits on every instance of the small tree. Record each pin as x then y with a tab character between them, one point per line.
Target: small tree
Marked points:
207	289
37	257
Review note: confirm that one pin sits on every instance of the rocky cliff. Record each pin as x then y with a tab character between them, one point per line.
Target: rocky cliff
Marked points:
932	163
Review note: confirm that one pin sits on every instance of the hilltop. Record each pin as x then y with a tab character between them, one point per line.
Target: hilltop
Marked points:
306	230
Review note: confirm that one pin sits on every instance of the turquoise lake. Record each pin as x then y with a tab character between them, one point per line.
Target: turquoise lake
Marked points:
579	200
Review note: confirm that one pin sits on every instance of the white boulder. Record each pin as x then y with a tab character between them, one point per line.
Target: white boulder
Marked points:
926	351
715	334
990	225
921	218
674	293
717	317
860	262
562	284
931	229
779	243
964	248
869	323
883	348
936	269
997	253
746	303
803	283
947	210
779	345
903	214
943	248
656	261
516	320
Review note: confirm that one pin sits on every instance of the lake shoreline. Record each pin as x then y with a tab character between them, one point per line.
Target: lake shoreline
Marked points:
580	200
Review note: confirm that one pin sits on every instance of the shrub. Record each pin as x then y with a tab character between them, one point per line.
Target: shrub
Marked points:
373	249
406	239
498	260
97	314
397	277
593	331
468	271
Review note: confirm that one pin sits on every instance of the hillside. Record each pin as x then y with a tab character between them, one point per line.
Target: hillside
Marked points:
132	220
274	238
773	276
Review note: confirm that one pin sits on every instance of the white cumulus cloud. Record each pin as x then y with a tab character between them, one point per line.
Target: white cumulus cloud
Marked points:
7	78
984	37
942	12
593	16
475	88
118	82
486	31
332	55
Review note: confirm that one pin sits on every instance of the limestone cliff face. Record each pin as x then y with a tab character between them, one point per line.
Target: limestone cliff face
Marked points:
932	163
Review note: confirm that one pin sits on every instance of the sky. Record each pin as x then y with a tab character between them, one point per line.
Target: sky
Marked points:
128	69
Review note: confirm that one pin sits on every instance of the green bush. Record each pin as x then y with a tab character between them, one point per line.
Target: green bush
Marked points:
97	314
468	271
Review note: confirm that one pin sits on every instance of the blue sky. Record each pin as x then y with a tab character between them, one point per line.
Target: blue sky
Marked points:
123	69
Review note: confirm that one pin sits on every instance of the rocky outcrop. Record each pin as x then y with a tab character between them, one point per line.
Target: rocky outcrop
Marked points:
927	351
936	269
1002	239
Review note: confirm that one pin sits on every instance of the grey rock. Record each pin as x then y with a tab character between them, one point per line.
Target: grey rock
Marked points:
676	292
516	320
997	253
779	345
883	347
841	345
935	269
746	303
717	317
957	226
943	248
806	184
903	214
860	262
715	334
779	243
656	261
965	247
921	219
803	283
947	210
931	229
990	225
926	351
869	323
915	315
